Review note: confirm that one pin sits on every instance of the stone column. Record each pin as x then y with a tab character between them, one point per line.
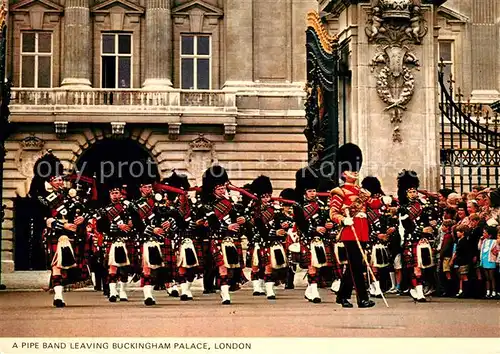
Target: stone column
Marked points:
158	45
238	27
485	37
77	44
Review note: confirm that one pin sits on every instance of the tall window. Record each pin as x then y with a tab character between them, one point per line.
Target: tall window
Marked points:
116	69
195	62
446	54
36	59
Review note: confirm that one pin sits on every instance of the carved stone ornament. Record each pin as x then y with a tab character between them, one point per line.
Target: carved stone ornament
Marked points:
395	25
30	150
200	155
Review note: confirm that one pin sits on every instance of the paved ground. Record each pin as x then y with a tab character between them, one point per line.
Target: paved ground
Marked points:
89	314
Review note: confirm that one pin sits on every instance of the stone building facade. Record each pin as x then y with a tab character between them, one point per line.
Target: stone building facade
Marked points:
190	82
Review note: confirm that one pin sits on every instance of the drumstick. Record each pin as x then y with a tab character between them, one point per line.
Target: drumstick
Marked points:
370	271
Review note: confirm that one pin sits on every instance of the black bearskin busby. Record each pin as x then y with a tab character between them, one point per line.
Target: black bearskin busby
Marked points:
288	193
305	178
261	185
177	180
406	180
214	176
114	185
46	167
372	185
349	158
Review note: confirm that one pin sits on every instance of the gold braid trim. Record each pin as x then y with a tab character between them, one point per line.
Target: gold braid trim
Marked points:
314	21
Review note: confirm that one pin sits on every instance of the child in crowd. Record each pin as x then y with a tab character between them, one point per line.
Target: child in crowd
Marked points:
488	259
446	253
461	258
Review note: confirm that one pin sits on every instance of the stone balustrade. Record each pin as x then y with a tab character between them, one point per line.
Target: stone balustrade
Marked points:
112	97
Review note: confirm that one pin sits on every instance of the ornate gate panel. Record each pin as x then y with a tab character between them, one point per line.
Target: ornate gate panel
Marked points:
322	131
470	140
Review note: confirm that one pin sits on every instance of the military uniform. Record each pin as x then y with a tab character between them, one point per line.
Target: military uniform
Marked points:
310	221
65	236
348	208
221	218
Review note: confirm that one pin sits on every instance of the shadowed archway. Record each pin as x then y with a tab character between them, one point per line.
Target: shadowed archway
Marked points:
125	159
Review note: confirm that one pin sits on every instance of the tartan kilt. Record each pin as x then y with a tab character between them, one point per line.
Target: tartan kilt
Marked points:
305	255
215	248
336	266
249	257
265	255
169	256
78	276
132	252
410	255
198	246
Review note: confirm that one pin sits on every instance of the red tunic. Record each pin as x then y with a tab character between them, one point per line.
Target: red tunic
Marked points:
347	196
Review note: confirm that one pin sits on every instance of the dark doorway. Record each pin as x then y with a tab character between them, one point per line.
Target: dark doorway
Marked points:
28	227
117	159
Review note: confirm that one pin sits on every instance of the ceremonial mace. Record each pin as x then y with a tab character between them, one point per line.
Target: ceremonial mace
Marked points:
370	271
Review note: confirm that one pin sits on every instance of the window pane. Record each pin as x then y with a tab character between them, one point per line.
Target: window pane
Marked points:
203	45
124	72
203	74
28	42
44	71
108	72
124	46
187	44
44	42
108	43
445	51
187	73
28	72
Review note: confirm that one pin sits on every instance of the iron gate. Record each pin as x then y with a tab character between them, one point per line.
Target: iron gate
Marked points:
470	140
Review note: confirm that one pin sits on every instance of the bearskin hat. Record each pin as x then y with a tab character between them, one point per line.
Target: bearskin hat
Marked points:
406	180
495	198
214	176
177	180
114	184
288	193
305	178
45	168
372	185
326	185
261	185
349	158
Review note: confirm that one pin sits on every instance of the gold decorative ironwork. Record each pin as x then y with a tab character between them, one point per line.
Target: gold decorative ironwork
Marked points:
314	21
3	13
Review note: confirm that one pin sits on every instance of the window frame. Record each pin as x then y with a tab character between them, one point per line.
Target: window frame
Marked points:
117	56
452	55
36	54
195	56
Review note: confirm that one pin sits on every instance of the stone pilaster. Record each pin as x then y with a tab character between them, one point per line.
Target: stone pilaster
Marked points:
238	27
77	44
484	39
158	45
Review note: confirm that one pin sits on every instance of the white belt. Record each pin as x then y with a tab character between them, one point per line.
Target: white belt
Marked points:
360	215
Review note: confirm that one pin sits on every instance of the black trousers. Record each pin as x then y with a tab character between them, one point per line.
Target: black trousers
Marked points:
353	275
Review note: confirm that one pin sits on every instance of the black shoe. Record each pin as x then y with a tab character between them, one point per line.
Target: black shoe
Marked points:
258	293
59	303
184	297
123	299
149	302
366	303
422	300
226	302
174	293
344	302
112	298
272	297
316	300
